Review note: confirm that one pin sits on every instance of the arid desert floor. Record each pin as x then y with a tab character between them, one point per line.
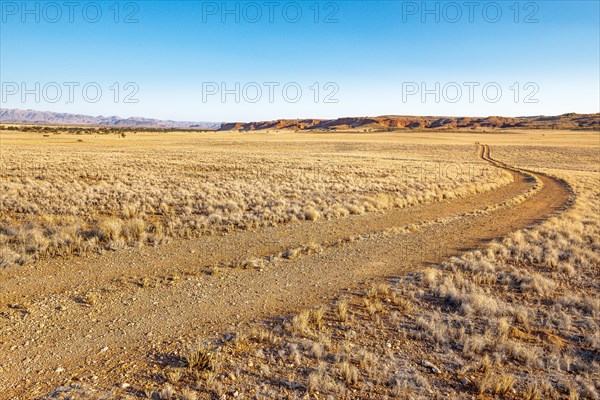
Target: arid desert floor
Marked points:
200	265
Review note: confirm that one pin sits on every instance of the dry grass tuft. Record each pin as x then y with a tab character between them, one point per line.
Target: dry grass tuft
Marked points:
342	311
199	358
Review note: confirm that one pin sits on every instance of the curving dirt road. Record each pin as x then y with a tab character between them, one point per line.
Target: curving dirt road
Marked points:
103	318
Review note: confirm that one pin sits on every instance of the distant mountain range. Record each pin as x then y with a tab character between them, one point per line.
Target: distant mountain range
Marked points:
393	122
357	124
53	118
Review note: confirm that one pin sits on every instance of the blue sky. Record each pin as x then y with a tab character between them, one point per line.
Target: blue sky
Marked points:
175	60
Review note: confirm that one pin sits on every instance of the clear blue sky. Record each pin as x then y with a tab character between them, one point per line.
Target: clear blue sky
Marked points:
376	56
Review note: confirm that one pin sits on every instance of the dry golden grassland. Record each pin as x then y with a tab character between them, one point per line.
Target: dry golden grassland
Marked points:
62	196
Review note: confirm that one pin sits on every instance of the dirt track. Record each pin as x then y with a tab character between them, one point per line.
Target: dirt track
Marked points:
150	300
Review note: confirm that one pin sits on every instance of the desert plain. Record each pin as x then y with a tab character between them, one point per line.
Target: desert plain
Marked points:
277	264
